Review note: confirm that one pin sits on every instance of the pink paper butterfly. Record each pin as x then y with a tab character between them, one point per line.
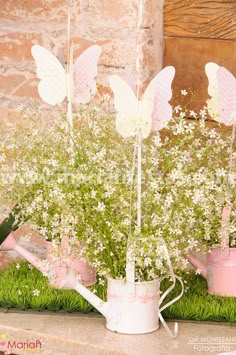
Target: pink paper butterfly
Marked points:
54	88
222	89
153	111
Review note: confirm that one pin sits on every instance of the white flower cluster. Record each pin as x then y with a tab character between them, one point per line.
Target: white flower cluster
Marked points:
85	192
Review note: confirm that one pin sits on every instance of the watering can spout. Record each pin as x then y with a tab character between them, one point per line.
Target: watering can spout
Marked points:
71	282
198	264
8	241
11	244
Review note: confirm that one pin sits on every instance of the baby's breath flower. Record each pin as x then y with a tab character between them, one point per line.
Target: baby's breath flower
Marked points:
202	113
177	108
182	114
106	97
192	114
36	292
17	266
100	207
86	192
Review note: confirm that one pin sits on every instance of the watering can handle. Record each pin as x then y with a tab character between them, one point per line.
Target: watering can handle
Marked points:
172	274
224	232
168	291
174	334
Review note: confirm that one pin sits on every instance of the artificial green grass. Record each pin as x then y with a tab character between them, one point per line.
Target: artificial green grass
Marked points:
198	304
26	288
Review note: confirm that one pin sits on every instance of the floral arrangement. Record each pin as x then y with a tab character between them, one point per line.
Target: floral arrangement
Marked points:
74	181
84	193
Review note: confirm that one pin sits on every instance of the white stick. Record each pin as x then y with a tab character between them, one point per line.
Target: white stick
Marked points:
69	103
69	83
130	264
232	149
130	257
139	182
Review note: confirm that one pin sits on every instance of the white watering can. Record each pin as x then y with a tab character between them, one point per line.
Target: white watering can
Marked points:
131	308
55	270
220	269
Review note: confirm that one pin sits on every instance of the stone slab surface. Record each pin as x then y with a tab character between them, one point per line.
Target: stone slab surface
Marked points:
74	334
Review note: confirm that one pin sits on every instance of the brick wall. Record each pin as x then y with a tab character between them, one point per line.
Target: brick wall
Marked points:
109	23
195	32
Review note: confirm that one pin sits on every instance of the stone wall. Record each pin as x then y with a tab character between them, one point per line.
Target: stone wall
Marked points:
109	23
195	32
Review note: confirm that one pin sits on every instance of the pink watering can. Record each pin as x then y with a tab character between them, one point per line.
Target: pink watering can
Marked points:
220	268
54	268
64	259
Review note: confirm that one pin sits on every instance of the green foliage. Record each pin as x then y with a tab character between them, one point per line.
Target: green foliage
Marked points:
18	285
80	187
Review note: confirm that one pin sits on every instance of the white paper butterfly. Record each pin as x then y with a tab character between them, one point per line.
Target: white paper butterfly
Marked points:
151	112
222	89
54	85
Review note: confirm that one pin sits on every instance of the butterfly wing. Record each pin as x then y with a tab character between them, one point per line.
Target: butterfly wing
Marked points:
85	71
61	57
162	110
126	105
227	96
52	86
147	106
213	90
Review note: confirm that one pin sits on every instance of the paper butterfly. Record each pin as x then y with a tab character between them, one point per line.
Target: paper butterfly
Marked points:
53	87
151	112
222	89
